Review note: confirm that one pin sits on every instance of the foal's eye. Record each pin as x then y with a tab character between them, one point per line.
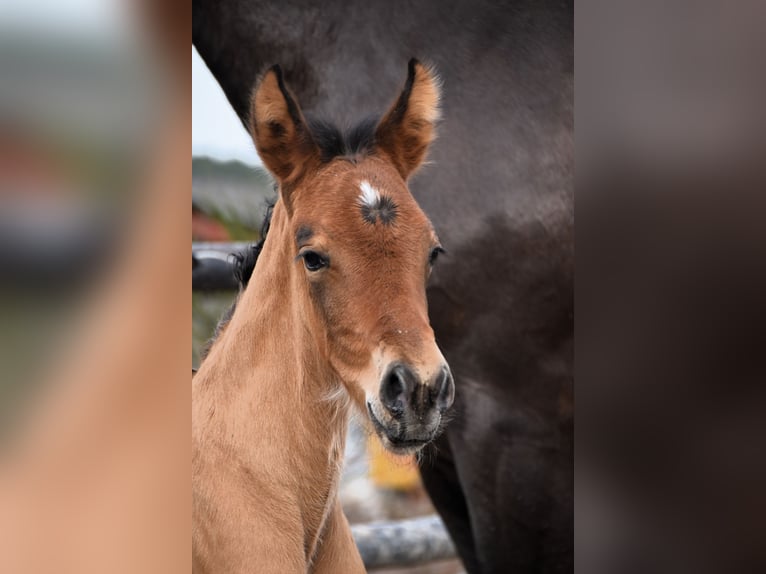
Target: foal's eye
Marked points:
434	254
313	261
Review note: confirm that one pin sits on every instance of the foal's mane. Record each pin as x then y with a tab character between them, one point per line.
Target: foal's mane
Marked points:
243	265
243	262
333	142
358	140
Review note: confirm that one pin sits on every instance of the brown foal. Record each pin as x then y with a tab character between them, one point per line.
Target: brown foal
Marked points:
334	318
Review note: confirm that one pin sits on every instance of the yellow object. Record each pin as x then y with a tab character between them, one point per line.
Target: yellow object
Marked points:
388	470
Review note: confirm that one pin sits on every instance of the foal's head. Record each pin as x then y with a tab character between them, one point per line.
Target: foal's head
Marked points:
361	250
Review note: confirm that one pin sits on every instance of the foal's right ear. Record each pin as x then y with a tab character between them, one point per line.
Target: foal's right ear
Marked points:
408	128
279	129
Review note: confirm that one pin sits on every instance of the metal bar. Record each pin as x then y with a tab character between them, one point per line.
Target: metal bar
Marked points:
203	248
403	542
211	266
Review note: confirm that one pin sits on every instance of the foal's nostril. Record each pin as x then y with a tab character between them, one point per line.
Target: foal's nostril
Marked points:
396	388
444	389
401	390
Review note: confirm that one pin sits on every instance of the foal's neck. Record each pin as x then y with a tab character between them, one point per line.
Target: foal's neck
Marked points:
267	393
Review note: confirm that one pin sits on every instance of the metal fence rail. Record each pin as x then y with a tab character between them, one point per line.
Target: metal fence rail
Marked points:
217	249
403	542
211	265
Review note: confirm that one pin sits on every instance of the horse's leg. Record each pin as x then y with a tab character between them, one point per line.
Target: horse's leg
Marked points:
440	478
528	526
515	469
337	551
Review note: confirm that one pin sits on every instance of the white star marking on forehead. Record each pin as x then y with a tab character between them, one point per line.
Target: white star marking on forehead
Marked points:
369	196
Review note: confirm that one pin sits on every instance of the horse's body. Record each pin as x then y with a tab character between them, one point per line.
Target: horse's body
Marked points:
500	196
333	317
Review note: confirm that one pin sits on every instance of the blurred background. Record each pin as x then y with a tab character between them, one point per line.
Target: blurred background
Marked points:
94	174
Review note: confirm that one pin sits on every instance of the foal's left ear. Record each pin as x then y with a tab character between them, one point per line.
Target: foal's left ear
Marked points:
408	128
279	129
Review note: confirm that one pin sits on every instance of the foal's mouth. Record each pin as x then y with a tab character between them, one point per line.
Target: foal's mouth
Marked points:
396	444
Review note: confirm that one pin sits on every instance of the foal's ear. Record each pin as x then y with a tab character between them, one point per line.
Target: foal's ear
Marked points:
279	129
409	126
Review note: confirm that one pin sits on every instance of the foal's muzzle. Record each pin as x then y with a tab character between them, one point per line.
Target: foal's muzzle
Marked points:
412	407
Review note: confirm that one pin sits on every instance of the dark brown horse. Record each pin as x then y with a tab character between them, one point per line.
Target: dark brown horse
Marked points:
501	200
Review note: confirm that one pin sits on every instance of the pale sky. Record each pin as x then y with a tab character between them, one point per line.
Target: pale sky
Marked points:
216	129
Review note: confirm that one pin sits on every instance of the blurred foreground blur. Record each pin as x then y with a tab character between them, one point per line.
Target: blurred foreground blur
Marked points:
671	287
94	179
75	150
